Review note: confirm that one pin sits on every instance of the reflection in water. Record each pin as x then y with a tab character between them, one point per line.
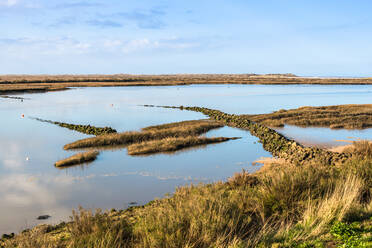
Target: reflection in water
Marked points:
324	137
34	187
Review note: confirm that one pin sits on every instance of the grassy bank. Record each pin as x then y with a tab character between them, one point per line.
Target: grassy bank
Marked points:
172	144
43	83
86	129
282	206
77	159
340	116
180	129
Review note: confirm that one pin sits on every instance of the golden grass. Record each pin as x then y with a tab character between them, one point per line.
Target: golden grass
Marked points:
79	158
127	138
338	116
171	144
334	206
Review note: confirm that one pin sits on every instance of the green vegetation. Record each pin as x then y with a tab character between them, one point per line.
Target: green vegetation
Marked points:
349	235
180	129
86	129
339	116
76	159
172	144
284	206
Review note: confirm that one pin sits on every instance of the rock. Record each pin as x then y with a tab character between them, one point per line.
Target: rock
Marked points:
7	236
43	217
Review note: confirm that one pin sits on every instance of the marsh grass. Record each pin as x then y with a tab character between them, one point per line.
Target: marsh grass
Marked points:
154	133
172	144
338	116
77	159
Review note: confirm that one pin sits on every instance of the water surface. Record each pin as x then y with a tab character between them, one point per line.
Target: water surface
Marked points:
31	186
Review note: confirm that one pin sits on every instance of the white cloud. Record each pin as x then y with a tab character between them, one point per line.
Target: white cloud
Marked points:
138	45
112	43
8	3
25	48
11	156
141	44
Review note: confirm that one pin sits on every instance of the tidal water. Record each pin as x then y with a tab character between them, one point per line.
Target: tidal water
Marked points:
31	186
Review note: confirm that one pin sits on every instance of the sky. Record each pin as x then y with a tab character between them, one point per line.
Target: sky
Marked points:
308	38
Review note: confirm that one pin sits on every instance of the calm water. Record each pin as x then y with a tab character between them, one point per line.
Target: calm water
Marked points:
33	187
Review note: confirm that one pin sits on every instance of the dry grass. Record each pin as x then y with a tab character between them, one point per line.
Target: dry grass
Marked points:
79	158
172	144
335	205
106	231
127	138
339	116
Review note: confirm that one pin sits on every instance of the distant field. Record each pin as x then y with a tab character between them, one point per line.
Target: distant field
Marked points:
40	83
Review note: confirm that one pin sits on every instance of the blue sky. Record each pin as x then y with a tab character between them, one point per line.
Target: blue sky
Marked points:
312	38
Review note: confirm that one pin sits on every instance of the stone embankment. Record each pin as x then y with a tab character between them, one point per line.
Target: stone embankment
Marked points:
86	129
273	142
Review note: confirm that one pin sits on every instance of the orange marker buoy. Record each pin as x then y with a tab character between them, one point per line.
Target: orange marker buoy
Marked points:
23	116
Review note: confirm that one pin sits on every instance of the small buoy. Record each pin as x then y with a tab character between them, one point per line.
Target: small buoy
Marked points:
23	116
27	158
